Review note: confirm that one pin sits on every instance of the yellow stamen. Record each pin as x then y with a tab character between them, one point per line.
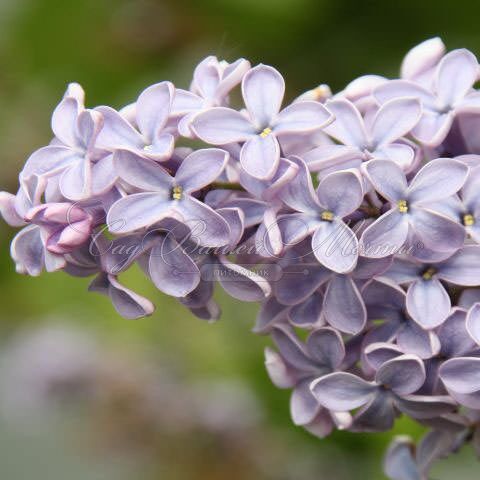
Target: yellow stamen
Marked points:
327	216
266	131
147	148
402	206
468	220
177	193
429	273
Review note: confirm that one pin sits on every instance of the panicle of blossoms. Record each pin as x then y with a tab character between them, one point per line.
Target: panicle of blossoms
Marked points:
352	218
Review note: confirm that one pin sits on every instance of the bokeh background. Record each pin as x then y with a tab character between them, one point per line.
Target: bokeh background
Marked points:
87	395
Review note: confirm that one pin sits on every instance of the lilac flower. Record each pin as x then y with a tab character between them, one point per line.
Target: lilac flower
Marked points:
73	154
65	225
359	141
212	82
405	462
455	341
298	365
391	391
97	258
391	321
386	301
465	207
428	302
341	305
148	140
166	196
263	90
321	213
437	180
28	248
450	94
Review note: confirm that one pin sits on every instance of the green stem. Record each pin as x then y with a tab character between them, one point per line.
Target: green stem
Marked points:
226	186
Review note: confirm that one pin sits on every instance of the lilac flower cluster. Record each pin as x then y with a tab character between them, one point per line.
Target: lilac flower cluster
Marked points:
353	218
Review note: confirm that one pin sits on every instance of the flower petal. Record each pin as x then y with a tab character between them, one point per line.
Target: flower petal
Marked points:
385	236
280	374
404	374
208	228
438	233
76	181
185	102
473	322
153	109
399	462
428	303
461	375
341	192
342	391
137	211
377	416
417	341
395	119
242	283
387	178
201	168
422	57
343	307
142	173
462	268
438	179
325	346
308	313
292	350
302	117
299	194
117	132
171	269
403	88
422	407
348	127
456	74
263	88
298	282
304	407
336	246
49	161
64	121
260	156
220	126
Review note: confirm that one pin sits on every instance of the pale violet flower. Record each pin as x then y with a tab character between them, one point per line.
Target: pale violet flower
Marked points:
263	89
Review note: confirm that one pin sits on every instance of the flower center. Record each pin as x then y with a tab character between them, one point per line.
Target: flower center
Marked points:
177	193
468	220
327	216
429	273
147	148
402	206
265	132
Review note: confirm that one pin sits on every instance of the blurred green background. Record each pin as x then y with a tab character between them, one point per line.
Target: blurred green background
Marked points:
115	48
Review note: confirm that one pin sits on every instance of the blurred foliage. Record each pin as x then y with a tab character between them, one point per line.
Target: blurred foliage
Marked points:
115	48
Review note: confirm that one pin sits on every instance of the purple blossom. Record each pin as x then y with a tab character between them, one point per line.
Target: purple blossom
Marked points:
428	302
451	93
437	180
263	89
392	390
377	268
360	140
164	196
